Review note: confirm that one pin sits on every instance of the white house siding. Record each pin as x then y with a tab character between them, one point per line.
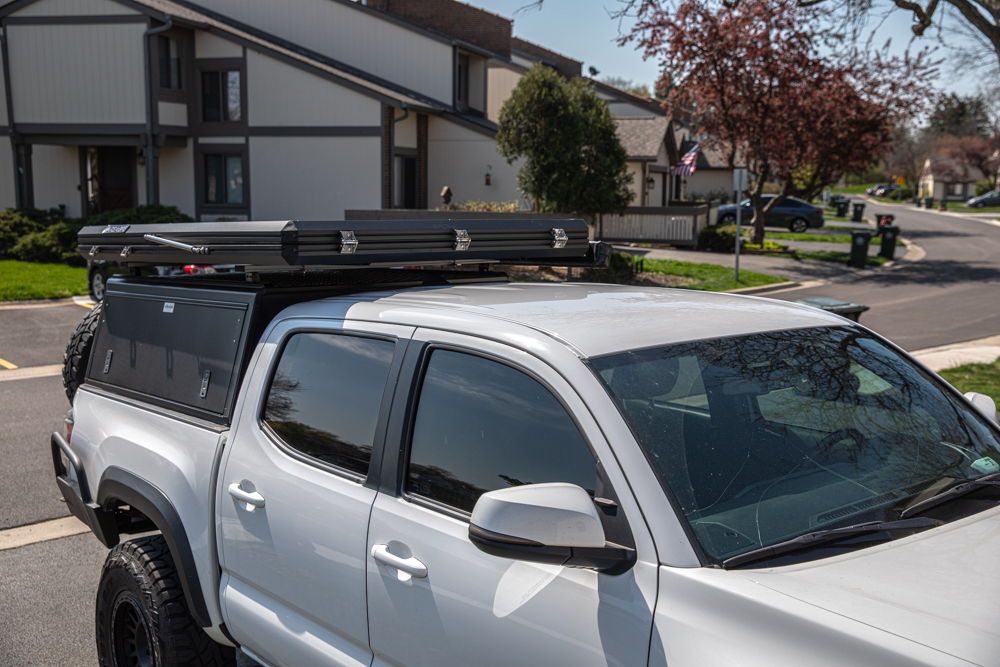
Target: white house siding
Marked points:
405	131
207	45
500	83
620	108
177	178
279	94
459	158
89	73
314	178
354	36
7	197
172	113
56	175
74	8
705	181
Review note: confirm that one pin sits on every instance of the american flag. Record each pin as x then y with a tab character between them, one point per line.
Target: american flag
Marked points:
688	163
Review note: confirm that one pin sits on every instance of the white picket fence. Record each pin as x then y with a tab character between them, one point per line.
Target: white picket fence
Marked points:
676	225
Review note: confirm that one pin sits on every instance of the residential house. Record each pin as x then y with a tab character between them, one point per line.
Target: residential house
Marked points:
713	178
236	109
946	180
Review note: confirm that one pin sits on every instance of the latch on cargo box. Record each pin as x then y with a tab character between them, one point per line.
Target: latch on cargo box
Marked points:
348	243
204	384
559	237
462	239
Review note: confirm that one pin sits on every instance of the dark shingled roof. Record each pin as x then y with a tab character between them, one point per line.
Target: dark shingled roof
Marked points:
642	136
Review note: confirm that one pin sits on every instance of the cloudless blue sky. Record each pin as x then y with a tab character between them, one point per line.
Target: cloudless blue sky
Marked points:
584	30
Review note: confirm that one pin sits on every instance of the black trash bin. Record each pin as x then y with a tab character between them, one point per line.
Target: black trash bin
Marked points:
889	235
842	205
928	202
859	249
851	311
859	209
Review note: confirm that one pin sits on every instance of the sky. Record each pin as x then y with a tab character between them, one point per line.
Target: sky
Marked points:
584	30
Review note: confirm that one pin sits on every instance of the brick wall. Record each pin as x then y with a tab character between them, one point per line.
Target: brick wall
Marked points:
421	160
387	141
471	24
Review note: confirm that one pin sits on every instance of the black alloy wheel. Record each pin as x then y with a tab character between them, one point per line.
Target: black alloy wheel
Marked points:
799	225
130	633
728	219
95	285
979	204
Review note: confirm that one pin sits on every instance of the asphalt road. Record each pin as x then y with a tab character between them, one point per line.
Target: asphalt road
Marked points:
949	296
46	589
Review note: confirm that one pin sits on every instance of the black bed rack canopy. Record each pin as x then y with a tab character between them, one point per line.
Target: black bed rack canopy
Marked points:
308	244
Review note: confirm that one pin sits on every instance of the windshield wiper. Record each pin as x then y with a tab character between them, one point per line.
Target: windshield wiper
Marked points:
952	493
810	540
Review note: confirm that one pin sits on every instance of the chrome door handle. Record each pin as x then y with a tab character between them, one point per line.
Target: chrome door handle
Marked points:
251	498
411	566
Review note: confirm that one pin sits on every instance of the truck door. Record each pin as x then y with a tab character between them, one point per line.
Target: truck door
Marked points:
293	500
485	416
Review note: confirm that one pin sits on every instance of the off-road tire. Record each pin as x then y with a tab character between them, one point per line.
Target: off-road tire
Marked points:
799	226
77	355
140	588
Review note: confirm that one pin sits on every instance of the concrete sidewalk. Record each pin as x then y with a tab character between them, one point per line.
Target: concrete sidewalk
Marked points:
979	351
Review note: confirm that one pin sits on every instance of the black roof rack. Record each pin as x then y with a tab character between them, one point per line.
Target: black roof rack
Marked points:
296	244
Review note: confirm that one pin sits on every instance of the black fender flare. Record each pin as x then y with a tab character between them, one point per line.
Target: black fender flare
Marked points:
121	485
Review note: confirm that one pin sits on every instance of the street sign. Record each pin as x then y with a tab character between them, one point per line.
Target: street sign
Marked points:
739	182
900	181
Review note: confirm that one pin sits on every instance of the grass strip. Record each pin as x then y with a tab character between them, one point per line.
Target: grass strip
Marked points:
984	378
821	238
710	277
20	281
834	256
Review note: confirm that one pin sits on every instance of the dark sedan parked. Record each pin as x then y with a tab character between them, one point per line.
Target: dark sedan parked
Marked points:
793	213
991	198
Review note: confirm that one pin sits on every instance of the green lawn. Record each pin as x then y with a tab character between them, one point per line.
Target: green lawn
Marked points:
32	280
832	256
984	378
820	238
960	207
710	277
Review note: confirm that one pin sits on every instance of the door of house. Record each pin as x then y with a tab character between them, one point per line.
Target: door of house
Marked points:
115	177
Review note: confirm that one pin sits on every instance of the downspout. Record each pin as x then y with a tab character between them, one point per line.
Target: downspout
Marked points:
149	106
18	179
392	146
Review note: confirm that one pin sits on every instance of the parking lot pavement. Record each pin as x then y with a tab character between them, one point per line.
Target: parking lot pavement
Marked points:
47	593
36	334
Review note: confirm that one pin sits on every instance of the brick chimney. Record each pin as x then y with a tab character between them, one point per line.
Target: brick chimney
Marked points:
470	24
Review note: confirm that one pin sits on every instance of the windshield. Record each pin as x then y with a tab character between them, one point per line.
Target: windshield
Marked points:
766	437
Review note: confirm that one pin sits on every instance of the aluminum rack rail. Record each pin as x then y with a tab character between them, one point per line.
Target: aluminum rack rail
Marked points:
296	244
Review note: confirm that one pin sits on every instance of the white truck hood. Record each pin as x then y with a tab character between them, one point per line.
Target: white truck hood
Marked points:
939	588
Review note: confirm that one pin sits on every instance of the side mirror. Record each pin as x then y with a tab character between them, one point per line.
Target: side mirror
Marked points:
984	404
546	523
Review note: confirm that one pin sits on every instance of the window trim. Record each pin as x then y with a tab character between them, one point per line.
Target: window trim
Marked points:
220	128
406	442
293	453
185	45
203	207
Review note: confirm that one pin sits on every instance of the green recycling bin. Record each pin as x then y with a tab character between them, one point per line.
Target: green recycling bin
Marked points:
859	209
860	241
851	311
889	235
842	205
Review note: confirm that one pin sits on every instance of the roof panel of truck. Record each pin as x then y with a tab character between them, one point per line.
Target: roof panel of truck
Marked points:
597	319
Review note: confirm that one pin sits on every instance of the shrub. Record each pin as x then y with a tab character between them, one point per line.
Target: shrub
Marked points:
57	243
483	206
982	187
718	238
13	226
152	214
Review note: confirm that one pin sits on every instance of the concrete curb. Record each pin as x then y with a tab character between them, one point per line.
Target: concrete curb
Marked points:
762	289
979	351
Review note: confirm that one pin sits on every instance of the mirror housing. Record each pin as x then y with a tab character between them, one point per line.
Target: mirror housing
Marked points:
553	523
986	405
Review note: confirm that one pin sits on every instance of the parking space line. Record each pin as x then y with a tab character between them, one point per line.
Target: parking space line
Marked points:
31	372
41	532
6	364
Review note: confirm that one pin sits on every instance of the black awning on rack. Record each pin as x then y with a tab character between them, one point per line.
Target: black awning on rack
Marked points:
287	244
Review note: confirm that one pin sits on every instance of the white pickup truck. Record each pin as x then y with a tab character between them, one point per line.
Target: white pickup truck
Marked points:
444	469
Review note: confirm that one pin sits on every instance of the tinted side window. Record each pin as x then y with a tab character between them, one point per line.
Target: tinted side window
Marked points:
325	396
482	425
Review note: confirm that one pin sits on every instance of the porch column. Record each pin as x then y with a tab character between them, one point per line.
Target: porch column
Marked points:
422	160
388	113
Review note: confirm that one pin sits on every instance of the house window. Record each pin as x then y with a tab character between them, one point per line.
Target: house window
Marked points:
220	97
170	63
462	95
223	179
956	189
404	174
